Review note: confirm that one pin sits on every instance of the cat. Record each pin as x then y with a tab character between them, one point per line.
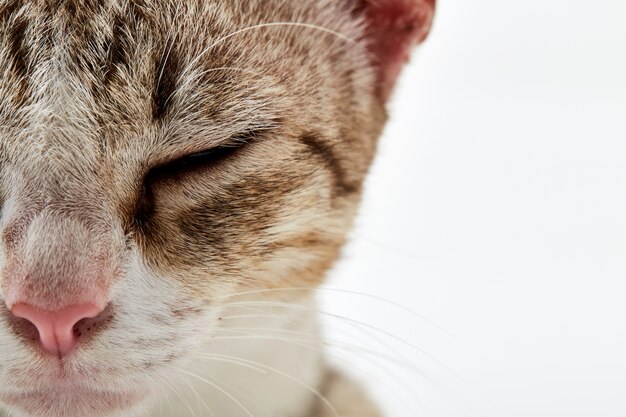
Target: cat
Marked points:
176	177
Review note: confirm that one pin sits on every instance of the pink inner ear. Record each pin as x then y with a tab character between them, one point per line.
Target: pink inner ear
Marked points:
394	26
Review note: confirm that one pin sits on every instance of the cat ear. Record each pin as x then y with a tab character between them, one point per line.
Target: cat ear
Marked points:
393	27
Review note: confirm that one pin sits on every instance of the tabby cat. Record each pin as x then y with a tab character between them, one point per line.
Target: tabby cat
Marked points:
176	177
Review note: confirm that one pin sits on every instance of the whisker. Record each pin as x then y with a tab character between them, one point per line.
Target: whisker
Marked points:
343	291
199	397
362	327
356	322
351	349
260	314
242	395
163	385
342	345
254	368
217	387
454	398
182	399
284	374
162	391
265	25
305	335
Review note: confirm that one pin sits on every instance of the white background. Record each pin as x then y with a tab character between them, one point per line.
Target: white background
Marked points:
497	210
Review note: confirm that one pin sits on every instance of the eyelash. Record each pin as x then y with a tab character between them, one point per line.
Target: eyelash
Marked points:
199	160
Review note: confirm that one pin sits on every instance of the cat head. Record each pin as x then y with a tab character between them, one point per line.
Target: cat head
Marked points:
156	157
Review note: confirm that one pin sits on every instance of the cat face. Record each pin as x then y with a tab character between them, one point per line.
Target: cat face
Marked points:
155	158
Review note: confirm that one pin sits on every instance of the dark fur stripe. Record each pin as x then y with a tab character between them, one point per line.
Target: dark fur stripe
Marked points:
18	50
166	79
326	154
116	55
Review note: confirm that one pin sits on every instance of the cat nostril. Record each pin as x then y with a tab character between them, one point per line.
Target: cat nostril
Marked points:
88	327
56	330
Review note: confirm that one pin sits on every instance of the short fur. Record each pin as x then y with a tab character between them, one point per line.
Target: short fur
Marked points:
98	99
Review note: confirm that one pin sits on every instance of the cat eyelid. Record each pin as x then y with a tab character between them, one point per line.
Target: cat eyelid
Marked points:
234	141
203	158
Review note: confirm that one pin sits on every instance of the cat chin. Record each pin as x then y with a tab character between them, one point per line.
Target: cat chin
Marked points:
75	402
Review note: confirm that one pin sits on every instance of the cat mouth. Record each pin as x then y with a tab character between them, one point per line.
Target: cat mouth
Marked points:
53	402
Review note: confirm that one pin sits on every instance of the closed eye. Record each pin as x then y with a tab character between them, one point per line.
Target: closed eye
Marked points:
179	168
200	160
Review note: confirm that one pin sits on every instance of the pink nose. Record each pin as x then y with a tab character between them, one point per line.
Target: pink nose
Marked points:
56	328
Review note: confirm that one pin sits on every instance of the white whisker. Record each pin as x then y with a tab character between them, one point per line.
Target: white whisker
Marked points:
341	291
254	368
405	365
180	396
356	322
242	395
286	375
223	391
199	398
364	327
260	26
352	348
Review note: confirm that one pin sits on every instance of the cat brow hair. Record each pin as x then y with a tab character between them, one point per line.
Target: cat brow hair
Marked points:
267	25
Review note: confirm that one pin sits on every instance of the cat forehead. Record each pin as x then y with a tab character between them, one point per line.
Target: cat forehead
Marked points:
110	74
